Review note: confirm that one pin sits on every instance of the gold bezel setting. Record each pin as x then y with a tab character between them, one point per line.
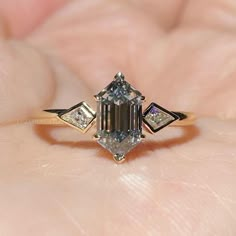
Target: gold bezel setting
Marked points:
81	116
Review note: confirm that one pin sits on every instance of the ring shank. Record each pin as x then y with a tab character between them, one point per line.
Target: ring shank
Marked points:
50	117
186	119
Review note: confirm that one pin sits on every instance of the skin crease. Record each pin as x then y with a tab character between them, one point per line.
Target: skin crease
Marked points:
55	181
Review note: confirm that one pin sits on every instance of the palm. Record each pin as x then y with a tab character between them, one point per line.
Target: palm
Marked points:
57	182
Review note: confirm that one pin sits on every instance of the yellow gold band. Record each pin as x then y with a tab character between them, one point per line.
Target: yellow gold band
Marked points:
46	118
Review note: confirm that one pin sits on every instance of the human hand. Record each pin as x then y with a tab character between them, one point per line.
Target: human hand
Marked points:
57	53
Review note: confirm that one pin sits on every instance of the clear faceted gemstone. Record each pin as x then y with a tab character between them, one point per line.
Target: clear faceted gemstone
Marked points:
119	117
80	116
157	117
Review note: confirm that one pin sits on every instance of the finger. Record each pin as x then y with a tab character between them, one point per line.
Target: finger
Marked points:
218	14
165	13
192	70
107	44
22	16
172	69
26	81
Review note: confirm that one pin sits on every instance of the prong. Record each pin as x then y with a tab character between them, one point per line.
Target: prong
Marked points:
96	137
119	158
143	98
148	129
119	76
97	98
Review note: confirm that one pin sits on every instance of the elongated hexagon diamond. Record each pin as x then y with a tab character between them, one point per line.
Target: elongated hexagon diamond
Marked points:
119	117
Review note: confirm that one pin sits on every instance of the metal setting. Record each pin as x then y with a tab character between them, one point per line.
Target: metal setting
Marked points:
119	117
80	116
156	117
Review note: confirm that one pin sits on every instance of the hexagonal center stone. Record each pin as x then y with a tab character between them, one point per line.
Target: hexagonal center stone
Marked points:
119	117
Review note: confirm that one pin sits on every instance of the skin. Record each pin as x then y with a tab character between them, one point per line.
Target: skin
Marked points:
181	54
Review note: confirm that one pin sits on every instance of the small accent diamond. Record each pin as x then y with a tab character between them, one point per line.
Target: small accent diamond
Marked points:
156	117
80	116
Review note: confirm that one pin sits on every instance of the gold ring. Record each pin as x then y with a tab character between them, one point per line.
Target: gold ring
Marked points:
119	118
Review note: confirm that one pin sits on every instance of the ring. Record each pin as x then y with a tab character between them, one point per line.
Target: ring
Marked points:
119	118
